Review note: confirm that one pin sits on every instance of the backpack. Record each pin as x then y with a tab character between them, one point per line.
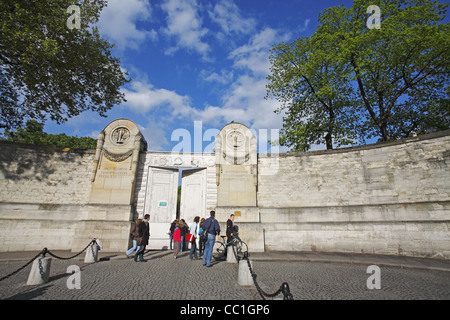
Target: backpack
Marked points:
206	230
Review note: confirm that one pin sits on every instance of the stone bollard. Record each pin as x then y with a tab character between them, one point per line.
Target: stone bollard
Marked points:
40	271
231	258
91	253
244	276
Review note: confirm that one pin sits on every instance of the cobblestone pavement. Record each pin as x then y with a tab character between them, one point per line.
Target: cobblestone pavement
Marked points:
162	277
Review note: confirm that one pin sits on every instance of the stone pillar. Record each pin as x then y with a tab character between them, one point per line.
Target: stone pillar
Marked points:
91	253
115	163
110	209
245	276
40	271
236	166
237	182
231	257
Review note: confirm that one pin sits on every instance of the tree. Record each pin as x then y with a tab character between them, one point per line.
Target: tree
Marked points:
33	133
50	71
315	95
397	76
401	69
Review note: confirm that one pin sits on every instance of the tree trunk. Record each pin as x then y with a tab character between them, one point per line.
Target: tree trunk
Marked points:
384	132
329	141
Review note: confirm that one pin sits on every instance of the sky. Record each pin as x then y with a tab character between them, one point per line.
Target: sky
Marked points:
197	65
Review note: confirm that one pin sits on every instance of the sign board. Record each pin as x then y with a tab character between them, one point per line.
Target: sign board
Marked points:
162	203
237	213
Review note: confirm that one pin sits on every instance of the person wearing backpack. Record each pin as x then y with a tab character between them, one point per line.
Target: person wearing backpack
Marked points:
202	238
211	228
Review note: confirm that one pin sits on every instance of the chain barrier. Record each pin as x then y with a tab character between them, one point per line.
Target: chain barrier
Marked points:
43	253
235	249
22	267
94	241
284	289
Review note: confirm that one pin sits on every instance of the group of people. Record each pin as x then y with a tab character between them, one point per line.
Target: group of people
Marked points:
205	230
184	230
140	233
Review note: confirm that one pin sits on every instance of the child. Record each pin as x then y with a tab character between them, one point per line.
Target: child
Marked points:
176	240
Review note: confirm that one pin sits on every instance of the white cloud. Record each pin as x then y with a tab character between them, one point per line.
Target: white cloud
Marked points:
155	133
156	109
185	25
247	93
118	23
305	25
224	77
144	97
244	100
228	16
254	56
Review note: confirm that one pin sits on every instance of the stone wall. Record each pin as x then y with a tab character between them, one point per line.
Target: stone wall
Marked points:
390	198
44	202
31	174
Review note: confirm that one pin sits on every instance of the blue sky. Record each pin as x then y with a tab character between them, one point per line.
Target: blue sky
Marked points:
197	65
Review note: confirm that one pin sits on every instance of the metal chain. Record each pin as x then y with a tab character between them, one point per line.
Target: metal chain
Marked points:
74	256
283	289
22	267
234	247
258	288
43	253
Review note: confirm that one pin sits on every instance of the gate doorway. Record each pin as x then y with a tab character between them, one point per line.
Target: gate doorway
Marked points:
161	200
193	194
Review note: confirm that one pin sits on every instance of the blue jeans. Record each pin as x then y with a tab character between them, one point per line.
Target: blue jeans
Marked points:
134	247
207	255
193	250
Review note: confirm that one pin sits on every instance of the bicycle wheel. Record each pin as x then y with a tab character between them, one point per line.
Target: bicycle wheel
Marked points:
218	251
241	248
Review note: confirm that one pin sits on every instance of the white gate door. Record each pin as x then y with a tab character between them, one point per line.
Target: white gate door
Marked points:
161	204
193	194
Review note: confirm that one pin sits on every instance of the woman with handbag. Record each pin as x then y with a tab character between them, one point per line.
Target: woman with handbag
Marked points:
134	235
191	237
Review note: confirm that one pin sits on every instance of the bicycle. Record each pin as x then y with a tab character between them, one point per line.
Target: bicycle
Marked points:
240	248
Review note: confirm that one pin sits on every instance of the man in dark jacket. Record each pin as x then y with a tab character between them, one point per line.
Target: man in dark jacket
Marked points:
144	232
230	228
211	227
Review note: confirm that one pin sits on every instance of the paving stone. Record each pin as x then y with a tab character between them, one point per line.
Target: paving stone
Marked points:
162	277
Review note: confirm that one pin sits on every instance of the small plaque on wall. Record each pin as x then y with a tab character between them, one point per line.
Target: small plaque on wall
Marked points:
162	204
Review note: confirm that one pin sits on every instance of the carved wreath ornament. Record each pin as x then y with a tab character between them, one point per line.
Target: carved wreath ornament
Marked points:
119	136
117	157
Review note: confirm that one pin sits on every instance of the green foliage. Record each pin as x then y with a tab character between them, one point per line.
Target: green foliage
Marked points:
50	71
315	96
385	83
33	134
